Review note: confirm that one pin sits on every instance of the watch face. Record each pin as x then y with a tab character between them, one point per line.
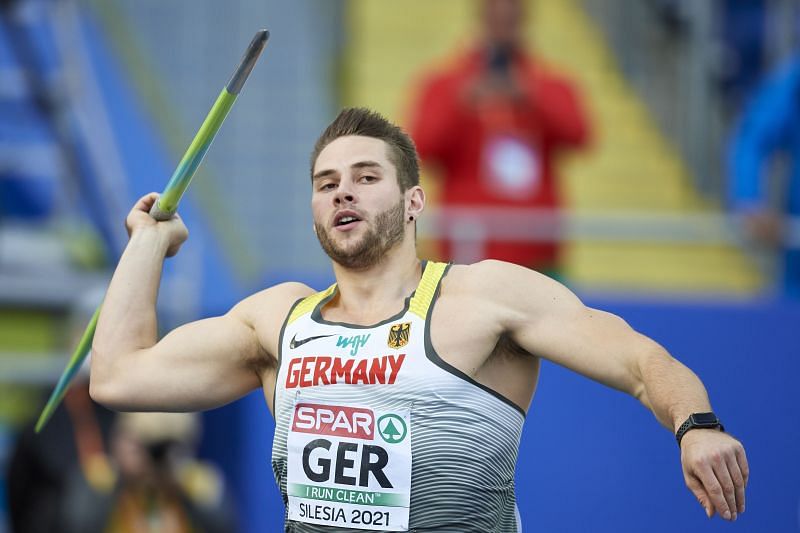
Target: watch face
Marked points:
705	419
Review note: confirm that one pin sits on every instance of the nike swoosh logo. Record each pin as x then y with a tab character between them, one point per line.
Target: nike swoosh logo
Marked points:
295	342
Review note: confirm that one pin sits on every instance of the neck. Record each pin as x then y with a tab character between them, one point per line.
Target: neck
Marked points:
377	291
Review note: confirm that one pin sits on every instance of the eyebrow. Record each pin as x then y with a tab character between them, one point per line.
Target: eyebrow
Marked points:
359	165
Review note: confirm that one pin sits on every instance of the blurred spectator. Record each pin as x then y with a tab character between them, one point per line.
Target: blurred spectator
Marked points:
493	123
161	486
769	131
92	471
74	442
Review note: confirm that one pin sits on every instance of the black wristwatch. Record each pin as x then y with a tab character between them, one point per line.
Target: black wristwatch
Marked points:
698	421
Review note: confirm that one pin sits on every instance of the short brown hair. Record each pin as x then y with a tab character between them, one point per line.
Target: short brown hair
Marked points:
367	123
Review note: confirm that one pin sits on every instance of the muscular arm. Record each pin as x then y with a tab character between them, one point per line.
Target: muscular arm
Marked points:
197	366
551	322
603	347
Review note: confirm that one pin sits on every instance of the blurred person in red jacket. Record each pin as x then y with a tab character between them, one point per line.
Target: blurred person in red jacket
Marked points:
493	122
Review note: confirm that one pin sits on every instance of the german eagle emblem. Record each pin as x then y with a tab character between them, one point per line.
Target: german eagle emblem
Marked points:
398	335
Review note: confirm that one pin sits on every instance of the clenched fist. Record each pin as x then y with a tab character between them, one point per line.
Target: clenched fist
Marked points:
173	231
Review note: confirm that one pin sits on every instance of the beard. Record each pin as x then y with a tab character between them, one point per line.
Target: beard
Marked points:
386	232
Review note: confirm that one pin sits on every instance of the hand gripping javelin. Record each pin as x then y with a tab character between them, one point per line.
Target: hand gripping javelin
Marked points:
168	201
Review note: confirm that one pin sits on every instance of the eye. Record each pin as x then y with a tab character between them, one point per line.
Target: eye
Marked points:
329	186
368	178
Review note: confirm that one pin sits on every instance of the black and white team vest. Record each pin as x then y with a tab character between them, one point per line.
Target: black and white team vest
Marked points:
374	431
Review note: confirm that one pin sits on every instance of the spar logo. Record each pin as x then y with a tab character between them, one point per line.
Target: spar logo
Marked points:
335	420
392	428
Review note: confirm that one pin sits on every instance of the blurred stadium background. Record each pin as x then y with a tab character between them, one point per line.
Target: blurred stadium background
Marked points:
99	98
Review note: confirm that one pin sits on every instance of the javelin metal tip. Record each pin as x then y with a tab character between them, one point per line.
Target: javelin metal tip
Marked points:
249	59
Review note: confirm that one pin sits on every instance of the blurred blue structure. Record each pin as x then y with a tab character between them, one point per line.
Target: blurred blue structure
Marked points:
742	28
109	126
53	150
29	153
770	128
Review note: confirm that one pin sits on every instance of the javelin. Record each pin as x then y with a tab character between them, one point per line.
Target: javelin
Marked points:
167	203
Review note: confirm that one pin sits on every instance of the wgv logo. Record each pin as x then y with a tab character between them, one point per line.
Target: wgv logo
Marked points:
355	342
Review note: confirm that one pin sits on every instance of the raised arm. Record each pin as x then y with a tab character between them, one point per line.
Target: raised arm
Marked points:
197	366
554	324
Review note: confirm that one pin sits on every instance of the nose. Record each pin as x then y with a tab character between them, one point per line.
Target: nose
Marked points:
344	193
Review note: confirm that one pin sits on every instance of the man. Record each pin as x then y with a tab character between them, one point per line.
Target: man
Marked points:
367	378
493	121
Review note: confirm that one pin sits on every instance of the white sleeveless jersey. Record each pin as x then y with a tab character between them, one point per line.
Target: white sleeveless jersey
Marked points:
374	431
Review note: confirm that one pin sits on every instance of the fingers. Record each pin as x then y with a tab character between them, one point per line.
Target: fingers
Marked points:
716	471
723	475
738	482
139	217
713	489
719	485
145	205
146	202
696	486
744	467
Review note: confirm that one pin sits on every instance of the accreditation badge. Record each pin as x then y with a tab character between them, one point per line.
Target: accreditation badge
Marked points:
349	466
512	167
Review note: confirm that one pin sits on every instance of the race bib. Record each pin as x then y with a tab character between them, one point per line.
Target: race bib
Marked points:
349	466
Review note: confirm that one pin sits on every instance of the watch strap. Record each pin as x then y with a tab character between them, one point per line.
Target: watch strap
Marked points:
693	423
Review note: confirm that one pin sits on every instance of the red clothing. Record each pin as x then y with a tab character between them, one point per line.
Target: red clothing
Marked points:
498	151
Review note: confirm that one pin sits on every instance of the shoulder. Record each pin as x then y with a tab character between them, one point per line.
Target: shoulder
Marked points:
505	288
273	302
264	313
486	276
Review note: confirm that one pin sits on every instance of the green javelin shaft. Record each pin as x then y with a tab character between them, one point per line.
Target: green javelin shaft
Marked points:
167	203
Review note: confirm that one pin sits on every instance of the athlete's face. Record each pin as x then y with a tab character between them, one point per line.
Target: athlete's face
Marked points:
359	211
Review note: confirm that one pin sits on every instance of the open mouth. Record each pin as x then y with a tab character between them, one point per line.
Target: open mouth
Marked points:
346	220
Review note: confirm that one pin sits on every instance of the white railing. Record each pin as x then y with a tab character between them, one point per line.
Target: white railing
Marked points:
543	225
